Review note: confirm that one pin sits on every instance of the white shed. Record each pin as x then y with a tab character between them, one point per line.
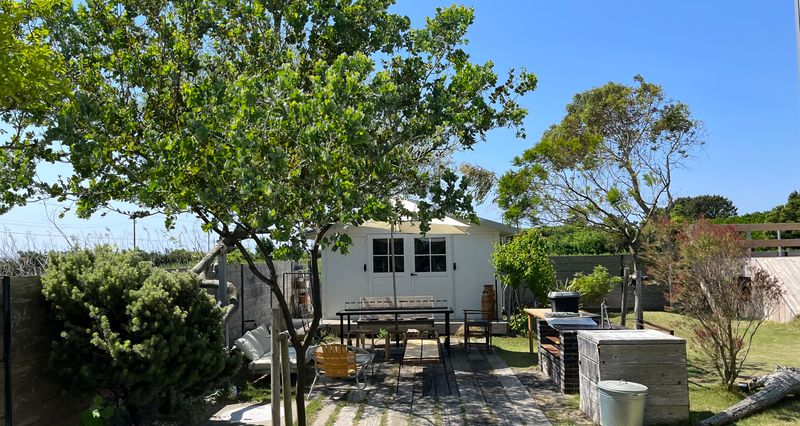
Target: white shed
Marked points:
451	262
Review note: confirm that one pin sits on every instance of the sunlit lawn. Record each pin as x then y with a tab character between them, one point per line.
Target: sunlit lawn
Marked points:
774	344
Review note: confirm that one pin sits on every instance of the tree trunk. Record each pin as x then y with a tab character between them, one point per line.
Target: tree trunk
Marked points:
300	396
777	385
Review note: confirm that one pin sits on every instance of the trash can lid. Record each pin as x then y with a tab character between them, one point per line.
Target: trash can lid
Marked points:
621	386
563	294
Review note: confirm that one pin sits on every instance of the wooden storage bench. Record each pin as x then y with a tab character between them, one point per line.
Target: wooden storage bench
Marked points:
652	358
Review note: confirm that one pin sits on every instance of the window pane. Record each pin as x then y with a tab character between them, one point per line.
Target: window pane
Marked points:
398	246
399	264
439	263
380	264
422	264
421	246
438	246
380	246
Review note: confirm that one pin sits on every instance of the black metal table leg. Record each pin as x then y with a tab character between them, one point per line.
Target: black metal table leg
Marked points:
447	332
341	329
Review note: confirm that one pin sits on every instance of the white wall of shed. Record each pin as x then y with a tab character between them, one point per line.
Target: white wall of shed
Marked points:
345	280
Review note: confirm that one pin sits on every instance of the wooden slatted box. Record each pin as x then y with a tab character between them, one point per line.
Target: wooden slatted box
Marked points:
652	358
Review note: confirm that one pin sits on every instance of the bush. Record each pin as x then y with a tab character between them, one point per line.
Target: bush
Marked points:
132	331
595	286
728	308
524	260
518	323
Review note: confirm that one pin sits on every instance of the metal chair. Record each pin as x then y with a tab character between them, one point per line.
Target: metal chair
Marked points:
342	362
473	319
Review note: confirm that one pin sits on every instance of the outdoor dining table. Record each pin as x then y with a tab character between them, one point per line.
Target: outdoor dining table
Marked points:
442	310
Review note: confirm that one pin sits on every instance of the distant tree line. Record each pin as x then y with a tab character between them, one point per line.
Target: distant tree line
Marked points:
575	238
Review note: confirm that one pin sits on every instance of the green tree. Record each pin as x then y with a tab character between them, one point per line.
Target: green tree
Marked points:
132	331
523	261
31	85
573	239
609	162
789	212
705	206
271	121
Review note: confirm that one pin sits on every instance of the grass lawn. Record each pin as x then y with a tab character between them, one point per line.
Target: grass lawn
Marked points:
774	344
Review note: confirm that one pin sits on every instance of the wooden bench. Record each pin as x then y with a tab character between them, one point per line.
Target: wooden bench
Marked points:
422	351
402	322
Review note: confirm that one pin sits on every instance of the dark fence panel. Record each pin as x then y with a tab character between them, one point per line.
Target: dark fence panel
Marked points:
255	297
567	266
36	397
653	295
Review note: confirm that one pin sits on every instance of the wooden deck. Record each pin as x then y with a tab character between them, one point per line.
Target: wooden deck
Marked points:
482	390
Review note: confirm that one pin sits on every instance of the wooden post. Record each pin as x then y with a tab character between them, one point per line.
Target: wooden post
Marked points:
638	308
749	238
275	371
287	382
530	332
624	301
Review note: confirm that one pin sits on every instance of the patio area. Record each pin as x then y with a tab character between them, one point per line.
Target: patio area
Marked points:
482	390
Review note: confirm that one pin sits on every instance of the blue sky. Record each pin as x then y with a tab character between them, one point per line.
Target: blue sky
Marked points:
733	63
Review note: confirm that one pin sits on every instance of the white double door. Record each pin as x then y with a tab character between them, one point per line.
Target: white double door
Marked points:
423	266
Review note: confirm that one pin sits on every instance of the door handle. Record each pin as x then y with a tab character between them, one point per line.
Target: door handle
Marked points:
413	274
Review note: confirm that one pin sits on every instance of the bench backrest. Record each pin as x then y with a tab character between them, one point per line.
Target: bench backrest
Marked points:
402	302
379	302
415	301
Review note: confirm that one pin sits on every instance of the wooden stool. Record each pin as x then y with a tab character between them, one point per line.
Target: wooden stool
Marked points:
389	334
360	337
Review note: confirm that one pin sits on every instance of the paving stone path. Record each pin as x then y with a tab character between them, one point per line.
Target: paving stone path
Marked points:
475	388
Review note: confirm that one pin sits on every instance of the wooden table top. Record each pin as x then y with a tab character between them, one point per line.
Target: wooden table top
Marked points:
540	313
421	351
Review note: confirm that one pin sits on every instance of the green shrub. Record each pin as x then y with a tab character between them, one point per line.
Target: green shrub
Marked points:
125	328
595	286
518	323
524	260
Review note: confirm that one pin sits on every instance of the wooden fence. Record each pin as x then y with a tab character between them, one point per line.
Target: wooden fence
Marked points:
35	398
255	298
777	228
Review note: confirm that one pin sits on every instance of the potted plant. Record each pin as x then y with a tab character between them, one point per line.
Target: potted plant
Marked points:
594	287
564	299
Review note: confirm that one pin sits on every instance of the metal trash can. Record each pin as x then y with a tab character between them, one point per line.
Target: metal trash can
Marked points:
621	403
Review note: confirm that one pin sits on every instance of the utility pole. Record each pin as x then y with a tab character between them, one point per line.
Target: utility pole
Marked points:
134	233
